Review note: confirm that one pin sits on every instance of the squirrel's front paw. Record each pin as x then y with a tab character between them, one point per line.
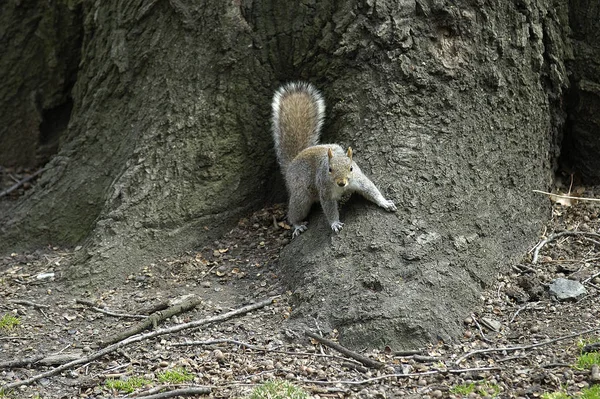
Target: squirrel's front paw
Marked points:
298	228
389	206
337	226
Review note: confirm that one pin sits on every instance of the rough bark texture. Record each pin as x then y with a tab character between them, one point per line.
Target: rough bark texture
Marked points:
582	137
164	146
39	56
453	109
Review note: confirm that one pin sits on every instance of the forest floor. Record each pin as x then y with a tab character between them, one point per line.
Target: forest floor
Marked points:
236	353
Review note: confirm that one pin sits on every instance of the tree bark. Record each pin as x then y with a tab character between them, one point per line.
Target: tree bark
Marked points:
582	136
453	109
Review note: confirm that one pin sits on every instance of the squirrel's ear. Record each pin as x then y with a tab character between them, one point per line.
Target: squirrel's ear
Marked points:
329	153
349	153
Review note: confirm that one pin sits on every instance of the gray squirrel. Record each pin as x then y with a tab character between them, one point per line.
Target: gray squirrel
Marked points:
312	171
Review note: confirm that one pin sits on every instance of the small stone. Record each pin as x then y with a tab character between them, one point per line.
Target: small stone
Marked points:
468	334
437	394
218	354
564	289
205	284
492	324
163	364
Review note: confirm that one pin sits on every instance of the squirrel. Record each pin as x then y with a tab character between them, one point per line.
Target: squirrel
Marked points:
312	171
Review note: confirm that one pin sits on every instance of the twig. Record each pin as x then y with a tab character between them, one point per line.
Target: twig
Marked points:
141	337
483	337
595	347
593	276
514	316
568	196
21	182
260	348
178	392
553	237
153	320
409	352
363	359
51	360
108	312
28	303
385	376
525	347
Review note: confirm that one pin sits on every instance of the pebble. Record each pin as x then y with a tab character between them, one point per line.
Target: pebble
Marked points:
218	354
437	394
163	364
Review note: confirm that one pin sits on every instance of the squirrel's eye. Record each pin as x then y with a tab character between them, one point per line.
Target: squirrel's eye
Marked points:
350	168
330	170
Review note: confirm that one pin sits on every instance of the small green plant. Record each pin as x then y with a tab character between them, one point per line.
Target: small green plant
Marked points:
586	360
175	376
278	389
555	395
463	389
483	389
128	385
592	392
8	322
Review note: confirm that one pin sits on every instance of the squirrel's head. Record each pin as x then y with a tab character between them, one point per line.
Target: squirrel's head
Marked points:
340	167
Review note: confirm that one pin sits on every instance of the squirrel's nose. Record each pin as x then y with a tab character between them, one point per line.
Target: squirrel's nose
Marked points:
341	183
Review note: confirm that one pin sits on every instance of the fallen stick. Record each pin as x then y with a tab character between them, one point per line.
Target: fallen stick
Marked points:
21	182
525	347
51	360
93	306
357	356
141	337
28	303
178	392
153	320
585	234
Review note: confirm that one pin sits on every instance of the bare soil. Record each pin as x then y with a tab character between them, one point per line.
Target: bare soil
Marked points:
242	268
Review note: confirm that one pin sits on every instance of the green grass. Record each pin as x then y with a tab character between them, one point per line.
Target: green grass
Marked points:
278	389
128	385
591	392
586	393
586	360
556	395
175	376
8	322
483	389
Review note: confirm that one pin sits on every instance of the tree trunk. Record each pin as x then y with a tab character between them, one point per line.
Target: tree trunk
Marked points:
582	137
453	109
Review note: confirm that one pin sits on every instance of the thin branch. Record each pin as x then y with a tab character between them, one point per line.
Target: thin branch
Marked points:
108	312
568	196
141	337
525	347
28	303
386	376
260	348
153	320
593	276
21	182
363	359
192	391
536	252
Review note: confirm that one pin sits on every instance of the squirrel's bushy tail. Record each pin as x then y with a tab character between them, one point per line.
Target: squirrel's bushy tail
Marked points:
298	112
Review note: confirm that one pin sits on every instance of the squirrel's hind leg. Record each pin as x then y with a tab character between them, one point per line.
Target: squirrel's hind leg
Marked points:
298	209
